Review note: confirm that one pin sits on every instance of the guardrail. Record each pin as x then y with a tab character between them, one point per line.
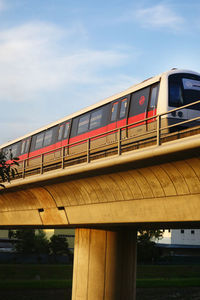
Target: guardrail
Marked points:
121	139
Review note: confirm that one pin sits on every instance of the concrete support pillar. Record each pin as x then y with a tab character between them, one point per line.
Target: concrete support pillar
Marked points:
104	265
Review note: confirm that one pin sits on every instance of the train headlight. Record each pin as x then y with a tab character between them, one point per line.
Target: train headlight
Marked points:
180	114
173	114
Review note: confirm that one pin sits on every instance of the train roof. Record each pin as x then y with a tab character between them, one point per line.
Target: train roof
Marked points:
131	89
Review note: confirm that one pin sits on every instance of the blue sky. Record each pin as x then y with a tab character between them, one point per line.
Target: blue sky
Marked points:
58	56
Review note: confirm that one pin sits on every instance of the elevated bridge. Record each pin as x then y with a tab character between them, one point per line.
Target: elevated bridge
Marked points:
146	181
106	195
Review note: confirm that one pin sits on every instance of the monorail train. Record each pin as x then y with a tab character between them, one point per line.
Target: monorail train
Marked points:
156	95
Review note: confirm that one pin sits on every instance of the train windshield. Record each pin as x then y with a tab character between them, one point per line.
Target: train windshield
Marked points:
184	89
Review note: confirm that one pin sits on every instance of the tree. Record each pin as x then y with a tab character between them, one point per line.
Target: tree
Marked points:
58	245
147	250
41	242
8	165
149	235
24	240
29	241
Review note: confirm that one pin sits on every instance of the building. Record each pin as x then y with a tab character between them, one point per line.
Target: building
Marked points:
69	234
183	243
185	237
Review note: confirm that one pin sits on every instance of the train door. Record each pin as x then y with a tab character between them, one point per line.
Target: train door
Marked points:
25	148
112	137
152	107
63	137
118	118
138	111
122	118
122	112
63	133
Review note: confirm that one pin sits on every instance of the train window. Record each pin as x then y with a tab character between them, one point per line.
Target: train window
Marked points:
123	108
153	97
191	91
48	137
28	141
114	111
184	89
15	150
83	123
6	152
60	132
175	94
25	146
139	102
66	130
63	131
39	140
12	151
95	120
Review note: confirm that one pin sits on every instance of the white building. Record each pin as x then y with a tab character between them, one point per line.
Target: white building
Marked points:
185	237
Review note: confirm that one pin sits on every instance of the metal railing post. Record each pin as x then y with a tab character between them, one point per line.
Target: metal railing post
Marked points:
88	150
158	130
63	157
24	169
119	141
42	163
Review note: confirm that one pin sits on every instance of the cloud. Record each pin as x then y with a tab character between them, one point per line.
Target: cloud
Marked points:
39	57
44	66
21	118
159	16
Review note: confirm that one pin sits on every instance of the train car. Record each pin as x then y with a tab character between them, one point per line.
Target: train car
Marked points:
133	110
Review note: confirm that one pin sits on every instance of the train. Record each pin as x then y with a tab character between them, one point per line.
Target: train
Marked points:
133	110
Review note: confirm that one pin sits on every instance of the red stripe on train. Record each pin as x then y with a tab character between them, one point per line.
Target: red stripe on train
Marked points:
86	135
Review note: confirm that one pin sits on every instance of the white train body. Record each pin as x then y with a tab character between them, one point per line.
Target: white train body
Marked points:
158	95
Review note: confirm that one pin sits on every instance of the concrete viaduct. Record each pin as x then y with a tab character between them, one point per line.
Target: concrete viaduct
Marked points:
106	200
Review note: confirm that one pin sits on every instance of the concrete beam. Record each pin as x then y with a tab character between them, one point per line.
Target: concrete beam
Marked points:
165	192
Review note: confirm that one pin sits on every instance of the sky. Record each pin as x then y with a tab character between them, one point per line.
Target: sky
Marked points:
59	56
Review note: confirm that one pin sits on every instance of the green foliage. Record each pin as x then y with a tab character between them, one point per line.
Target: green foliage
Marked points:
29	241
41	242
58	245
147	251
8	168
148	235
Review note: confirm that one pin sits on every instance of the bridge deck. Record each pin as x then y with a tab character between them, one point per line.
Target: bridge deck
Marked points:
115	178
155	184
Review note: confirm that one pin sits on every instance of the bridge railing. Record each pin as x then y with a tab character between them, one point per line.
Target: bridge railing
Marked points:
183	123
154	131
